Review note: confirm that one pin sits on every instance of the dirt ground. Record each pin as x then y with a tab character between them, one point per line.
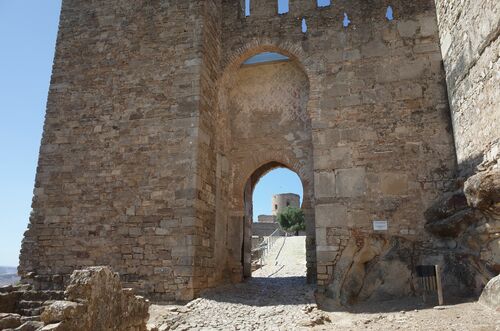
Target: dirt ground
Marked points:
208	313
277	297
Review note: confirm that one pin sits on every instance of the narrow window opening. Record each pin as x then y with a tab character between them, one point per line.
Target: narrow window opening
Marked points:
304	25
247	8
389	14
346	21
288	203
283	6
275	207
323	3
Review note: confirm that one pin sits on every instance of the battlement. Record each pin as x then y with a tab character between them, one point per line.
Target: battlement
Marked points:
289	7
310	16
252	9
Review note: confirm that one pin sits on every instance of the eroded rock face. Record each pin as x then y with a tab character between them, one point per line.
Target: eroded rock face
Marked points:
9	321
471	220
449	204
62	310
491	294
483	190
378	268
8	302
30	326
453	225
95	300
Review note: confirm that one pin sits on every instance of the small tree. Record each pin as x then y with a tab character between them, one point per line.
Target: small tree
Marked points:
292	219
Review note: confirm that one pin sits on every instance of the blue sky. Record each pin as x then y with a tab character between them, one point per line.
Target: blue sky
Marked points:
279	180
28	30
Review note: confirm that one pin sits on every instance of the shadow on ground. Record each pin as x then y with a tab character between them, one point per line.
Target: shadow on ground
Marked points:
284	291
263	291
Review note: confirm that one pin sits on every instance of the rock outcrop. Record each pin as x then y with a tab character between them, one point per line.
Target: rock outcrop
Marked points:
8	300
95	300
483	191
9	321
373	268
466	224
491	294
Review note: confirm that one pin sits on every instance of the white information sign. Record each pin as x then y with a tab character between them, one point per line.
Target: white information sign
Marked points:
380	225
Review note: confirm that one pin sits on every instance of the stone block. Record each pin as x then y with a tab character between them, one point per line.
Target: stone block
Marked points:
358	218
8	302
61	310
331	215
428	26
333	158
324	184
407	29
350	183
321	236
326	256
394	183
9	321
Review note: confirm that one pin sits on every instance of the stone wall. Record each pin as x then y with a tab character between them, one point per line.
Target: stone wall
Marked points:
117	177
266	219
381	135
469	44
264	229
469	33
156	135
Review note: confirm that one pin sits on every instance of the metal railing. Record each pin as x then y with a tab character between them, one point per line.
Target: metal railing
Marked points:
261	252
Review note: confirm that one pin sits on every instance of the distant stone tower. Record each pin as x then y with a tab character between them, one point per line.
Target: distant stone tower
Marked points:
281	201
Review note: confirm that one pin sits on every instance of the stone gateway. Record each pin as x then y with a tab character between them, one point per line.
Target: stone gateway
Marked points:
163	115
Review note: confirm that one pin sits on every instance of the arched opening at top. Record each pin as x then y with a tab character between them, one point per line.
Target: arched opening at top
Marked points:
266	57
276	181
263	124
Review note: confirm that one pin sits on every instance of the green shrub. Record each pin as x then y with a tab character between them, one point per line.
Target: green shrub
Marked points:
292	219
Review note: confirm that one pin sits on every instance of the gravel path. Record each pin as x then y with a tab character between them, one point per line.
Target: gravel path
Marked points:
278	298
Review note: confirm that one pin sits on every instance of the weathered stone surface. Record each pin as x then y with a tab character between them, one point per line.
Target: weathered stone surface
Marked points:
350	183
491	294
9	321
449	204
381	269
394	183
469	32
99	303
453	225
30	326
6	288
62	310
483	190
8	301
54	327
324	184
